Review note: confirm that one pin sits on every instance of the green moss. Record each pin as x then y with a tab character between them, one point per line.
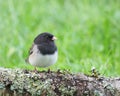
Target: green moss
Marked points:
2	85
67	90
53	83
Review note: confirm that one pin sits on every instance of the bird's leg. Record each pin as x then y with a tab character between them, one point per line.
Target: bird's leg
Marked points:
35	69
48	70
58	71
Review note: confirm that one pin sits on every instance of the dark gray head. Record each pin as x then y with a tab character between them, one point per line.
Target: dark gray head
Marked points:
45	42
44	38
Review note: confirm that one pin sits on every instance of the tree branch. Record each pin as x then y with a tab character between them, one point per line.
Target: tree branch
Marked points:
28	83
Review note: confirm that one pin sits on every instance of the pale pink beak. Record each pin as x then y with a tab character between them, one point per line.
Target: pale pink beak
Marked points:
54	38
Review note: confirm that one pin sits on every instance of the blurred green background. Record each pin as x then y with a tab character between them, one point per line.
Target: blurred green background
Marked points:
88	33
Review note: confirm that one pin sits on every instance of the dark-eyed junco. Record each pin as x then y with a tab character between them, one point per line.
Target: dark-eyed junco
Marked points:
43	52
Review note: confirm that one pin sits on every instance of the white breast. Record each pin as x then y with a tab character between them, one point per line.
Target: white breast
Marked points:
39	60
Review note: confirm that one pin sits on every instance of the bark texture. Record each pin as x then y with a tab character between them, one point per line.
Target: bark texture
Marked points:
17	82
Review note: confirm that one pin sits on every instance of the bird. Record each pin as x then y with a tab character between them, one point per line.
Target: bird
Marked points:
43	52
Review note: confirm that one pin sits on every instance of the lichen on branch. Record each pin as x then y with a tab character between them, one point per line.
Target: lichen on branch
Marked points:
50	83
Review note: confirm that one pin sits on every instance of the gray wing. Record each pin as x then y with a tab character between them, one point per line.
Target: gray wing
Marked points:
30	52
31	49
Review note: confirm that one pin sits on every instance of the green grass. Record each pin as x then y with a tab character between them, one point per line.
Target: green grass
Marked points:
88	33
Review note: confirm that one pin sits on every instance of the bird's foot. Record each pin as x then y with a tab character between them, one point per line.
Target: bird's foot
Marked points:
48	70
35	70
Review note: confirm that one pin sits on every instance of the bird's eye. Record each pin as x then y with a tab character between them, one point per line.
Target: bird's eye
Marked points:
47	36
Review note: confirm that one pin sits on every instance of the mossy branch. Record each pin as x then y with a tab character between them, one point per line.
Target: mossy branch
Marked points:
28	83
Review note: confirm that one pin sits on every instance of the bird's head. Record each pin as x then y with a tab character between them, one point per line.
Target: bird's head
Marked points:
45	38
